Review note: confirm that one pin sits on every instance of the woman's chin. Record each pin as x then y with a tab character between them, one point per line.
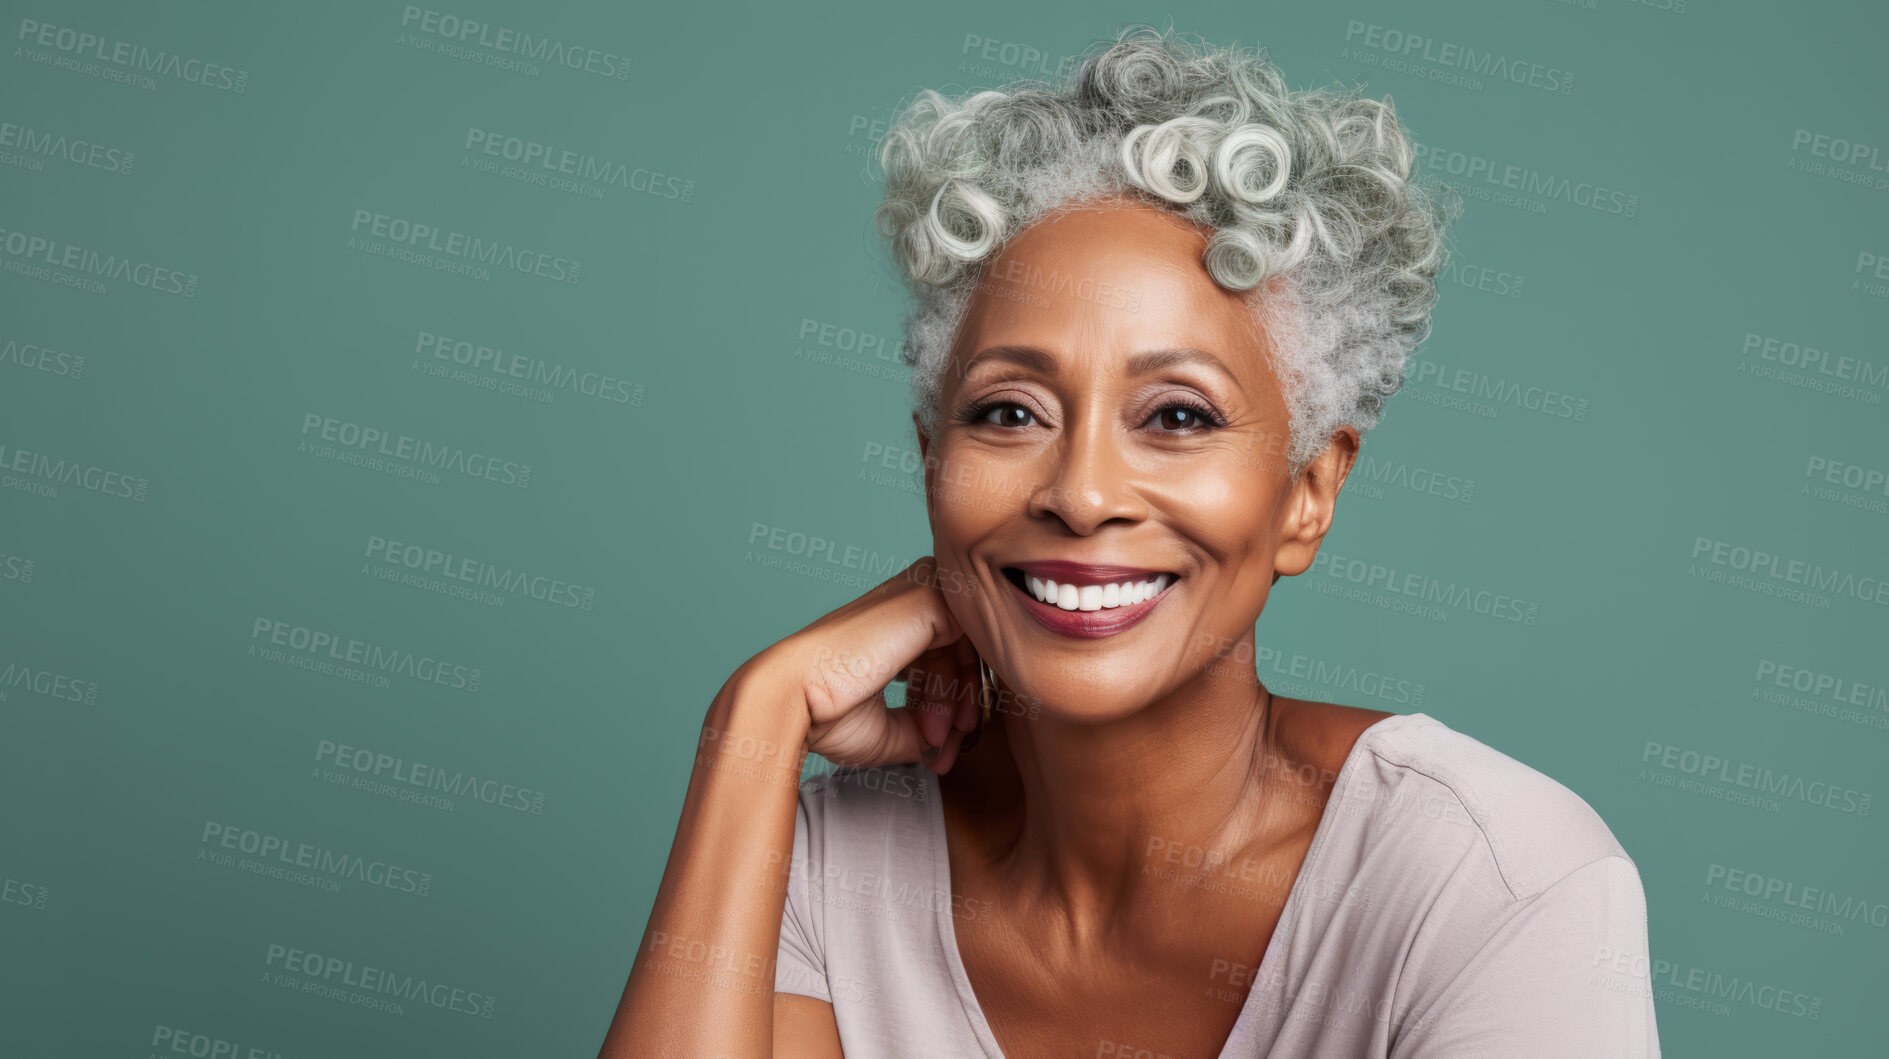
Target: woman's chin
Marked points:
1084	702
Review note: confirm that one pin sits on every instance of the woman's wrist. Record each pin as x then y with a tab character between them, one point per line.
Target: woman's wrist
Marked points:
756	725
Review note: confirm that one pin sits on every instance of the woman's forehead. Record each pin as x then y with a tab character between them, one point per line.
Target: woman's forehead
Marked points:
1096	288
1112	226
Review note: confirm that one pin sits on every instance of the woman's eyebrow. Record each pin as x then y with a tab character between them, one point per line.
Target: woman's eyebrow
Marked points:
1023	356
1042	363
1161	360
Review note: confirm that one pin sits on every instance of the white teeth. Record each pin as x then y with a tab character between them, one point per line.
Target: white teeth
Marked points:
1096	597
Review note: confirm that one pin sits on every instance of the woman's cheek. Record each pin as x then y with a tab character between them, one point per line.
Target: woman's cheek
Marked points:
974	494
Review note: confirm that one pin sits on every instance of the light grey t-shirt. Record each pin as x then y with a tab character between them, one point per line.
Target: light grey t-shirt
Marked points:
1454	904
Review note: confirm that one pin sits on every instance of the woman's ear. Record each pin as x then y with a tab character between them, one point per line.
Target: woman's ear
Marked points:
924	457
1311	502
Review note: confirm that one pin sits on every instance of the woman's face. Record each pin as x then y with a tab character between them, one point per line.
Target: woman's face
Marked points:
1107	404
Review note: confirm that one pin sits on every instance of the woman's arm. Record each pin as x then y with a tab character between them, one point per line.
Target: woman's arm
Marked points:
703	979
804	1028
1566	977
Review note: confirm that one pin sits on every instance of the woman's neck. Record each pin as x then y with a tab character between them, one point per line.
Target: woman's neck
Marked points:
1086	818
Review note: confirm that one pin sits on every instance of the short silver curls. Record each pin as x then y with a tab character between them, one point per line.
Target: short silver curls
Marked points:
1311	187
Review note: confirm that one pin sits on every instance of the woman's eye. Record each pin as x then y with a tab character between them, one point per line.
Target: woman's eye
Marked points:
1180	418
1007	414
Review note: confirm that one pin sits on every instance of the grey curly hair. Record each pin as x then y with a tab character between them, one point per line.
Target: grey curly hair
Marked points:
1311	187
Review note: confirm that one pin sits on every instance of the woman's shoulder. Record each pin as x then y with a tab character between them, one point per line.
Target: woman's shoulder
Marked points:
902	785
1424	777
865	854
868	805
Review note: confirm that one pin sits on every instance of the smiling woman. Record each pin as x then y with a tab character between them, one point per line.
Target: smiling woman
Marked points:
1155	312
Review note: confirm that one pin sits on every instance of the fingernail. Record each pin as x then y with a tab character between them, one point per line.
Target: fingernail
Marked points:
969	741
930	754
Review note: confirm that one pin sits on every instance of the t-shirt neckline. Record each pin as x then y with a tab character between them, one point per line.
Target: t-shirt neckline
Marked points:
1335	806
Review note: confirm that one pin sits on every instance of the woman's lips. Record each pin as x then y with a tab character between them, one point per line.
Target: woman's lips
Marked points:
1090	624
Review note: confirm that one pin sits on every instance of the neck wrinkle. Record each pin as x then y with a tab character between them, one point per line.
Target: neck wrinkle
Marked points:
1101	803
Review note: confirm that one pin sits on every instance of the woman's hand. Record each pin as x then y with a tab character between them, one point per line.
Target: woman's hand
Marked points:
724	888
838	667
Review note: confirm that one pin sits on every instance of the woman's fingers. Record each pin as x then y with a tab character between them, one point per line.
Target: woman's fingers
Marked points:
966	711
855	651
947	755
903	630
930	693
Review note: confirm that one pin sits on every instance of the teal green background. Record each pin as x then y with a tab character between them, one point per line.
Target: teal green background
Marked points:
116	926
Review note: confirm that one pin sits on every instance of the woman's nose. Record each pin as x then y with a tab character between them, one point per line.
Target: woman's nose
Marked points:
1089	482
